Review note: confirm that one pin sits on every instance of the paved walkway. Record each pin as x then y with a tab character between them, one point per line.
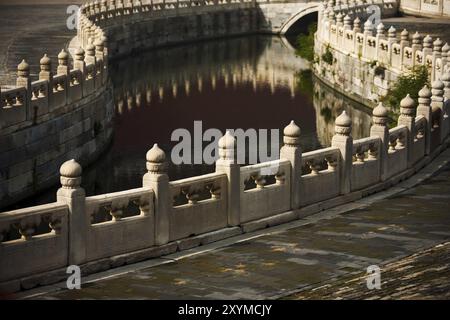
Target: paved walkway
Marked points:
307	253
424	275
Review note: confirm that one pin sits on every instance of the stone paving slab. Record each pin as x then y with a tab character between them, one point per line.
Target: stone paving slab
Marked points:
424	275
283	262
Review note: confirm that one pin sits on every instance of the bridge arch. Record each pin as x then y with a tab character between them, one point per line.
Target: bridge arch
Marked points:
312	8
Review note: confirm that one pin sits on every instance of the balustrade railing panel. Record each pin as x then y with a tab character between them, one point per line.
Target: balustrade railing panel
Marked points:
39	98
129	223
419	138
262	199
397	152
199	205
33	240
14	110
321	179
366	162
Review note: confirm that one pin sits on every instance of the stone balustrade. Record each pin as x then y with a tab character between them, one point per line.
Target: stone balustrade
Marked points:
376	55
105	231
31	102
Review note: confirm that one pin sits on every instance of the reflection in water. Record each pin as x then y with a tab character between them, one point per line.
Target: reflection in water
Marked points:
249	82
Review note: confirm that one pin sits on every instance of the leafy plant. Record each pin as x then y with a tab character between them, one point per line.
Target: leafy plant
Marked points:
305	43
408	83
327	56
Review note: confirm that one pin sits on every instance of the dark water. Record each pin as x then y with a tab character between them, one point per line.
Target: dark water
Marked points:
249	82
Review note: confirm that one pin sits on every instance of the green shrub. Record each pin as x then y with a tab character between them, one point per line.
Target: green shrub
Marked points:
327	56
408	83
305	43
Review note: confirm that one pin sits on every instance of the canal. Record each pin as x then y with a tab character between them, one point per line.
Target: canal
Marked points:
252	82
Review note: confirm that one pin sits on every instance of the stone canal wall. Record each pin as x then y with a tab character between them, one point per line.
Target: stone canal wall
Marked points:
132	26
62	115
363	60
67	112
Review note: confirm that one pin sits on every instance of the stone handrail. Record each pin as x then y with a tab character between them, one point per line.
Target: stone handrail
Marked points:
202	199
178	215
384	55
31	102
42	237
236	199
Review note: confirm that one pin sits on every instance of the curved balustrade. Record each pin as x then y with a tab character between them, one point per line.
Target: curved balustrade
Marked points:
216	206
376	55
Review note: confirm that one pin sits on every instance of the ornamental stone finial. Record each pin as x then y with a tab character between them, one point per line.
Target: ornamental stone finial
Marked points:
368	26
427	41
380	29
437	85
407	106
417	38
227	146
392	33
404	35
79	54
70	172
90	50
291	134
347	22
156	160
437	91
343	124
424	96
437	45
424	92
445	48
23	69
63	58
339	19
357	25
46	63
379	115
63	63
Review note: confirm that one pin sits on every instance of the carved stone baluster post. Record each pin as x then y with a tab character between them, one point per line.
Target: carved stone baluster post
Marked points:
416	45
99	55
24	80
79	63
227	163
404	39
74	196
424	109
157	179
437	102
91	59
407	118
437	47
343	140
292	151
64	69
446	57
380	129
47	74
